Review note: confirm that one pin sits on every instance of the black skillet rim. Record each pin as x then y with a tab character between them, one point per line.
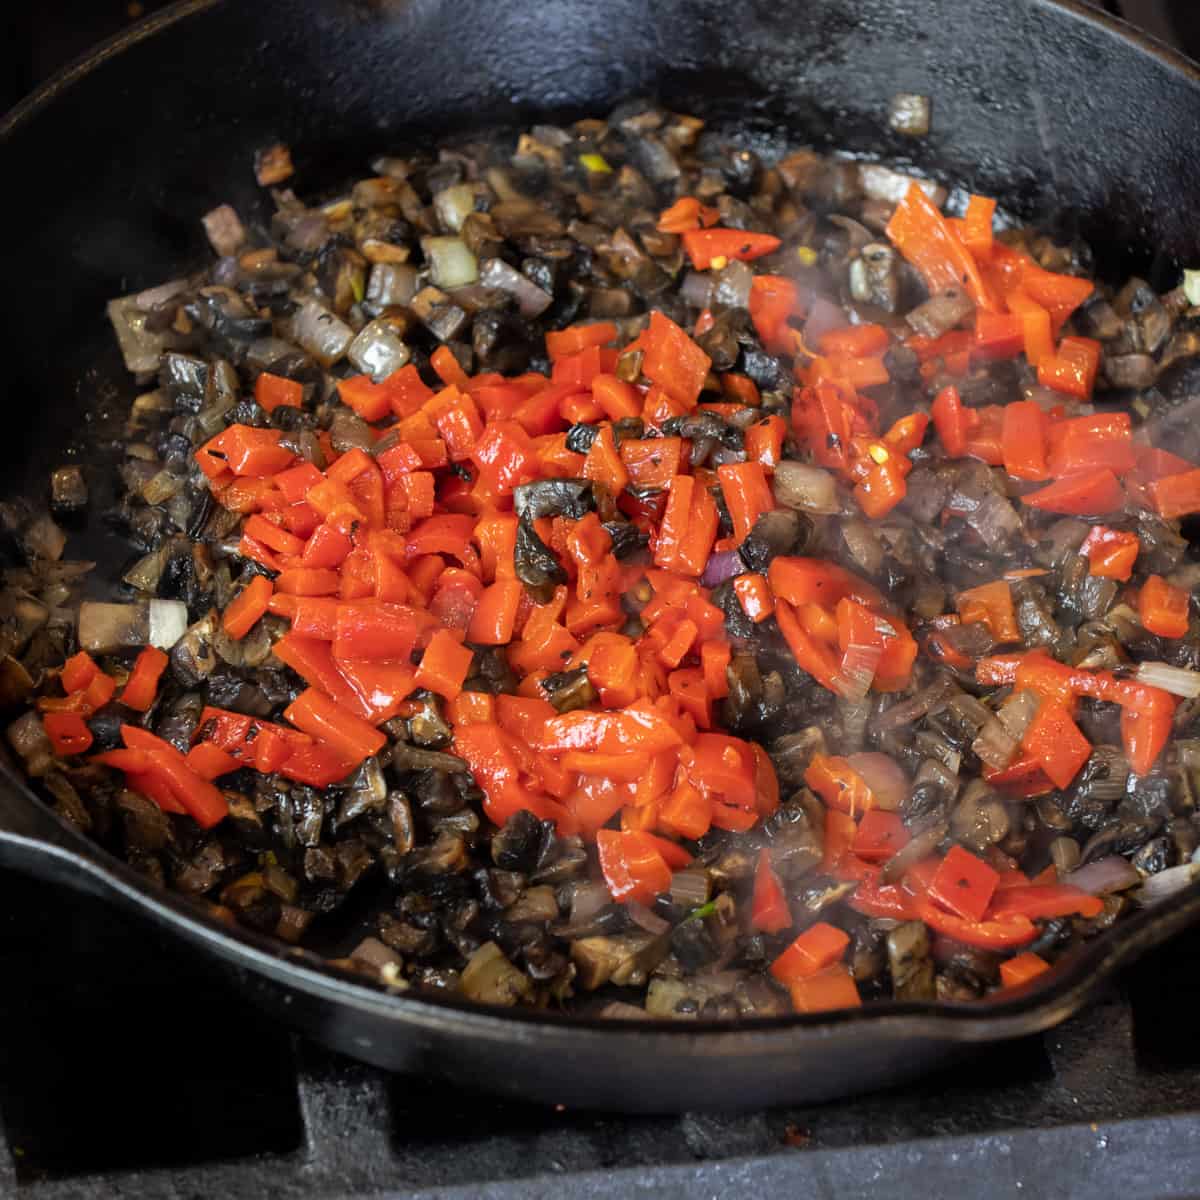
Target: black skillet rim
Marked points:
1037	1006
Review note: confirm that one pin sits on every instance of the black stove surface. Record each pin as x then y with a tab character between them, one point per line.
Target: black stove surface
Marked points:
126	1070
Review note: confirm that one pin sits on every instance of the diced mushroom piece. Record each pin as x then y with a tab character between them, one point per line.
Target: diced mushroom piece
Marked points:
617	959
910	962
491	979
68	490
194	657
141	347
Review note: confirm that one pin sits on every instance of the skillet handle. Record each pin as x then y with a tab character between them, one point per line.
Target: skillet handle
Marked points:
34	840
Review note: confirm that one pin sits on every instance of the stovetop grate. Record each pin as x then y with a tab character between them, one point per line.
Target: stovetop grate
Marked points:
125	1069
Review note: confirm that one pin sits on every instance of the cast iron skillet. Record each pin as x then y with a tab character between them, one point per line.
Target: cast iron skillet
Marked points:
108	168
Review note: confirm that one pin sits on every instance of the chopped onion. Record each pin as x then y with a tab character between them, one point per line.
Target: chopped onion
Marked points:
823	317
859	664
1177	680
451	262
160	487
226	233
140	348
531	300
733	285
45	539
928	700
909	114
390	284
1191	287
882	183
808	489
378	350
722	565
1016	713
168	622
697	289
1166	884
651	922
1105	875
940	313
588	900
885	778
994	746
454	204
325	336
690	887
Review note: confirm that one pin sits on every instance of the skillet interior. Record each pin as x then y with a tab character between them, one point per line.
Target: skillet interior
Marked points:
110	167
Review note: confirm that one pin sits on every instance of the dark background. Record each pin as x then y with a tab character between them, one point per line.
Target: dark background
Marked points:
39	37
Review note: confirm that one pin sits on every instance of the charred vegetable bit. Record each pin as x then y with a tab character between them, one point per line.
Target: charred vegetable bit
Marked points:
681	580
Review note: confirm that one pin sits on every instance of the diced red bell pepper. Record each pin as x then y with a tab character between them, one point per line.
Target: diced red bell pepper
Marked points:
142	684
1073	369
919	231
1023	440
991	604
68	733
1086	494
964	884
829	990
1043	901
673	361
273	391
77	672
245	450
1177	495
632	865
880	835
247	607
747	495
773	299
1056	742
1021	968
839	784
444	665
375	631
1111	553
769	912
705	247
819	946
1163	608
312	712
952	421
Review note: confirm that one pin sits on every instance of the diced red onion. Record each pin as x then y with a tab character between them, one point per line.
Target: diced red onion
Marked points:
325	336
451	262
378	350
722	565
531	300
454	204
882	183
823	317
391	284
859	664
930	699
226	233
690	887
806	488
1177	680
994	746
1105	875
641	916
883	775
940	313
588	900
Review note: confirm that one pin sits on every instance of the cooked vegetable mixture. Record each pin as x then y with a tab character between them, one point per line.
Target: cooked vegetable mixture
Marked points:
639	574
